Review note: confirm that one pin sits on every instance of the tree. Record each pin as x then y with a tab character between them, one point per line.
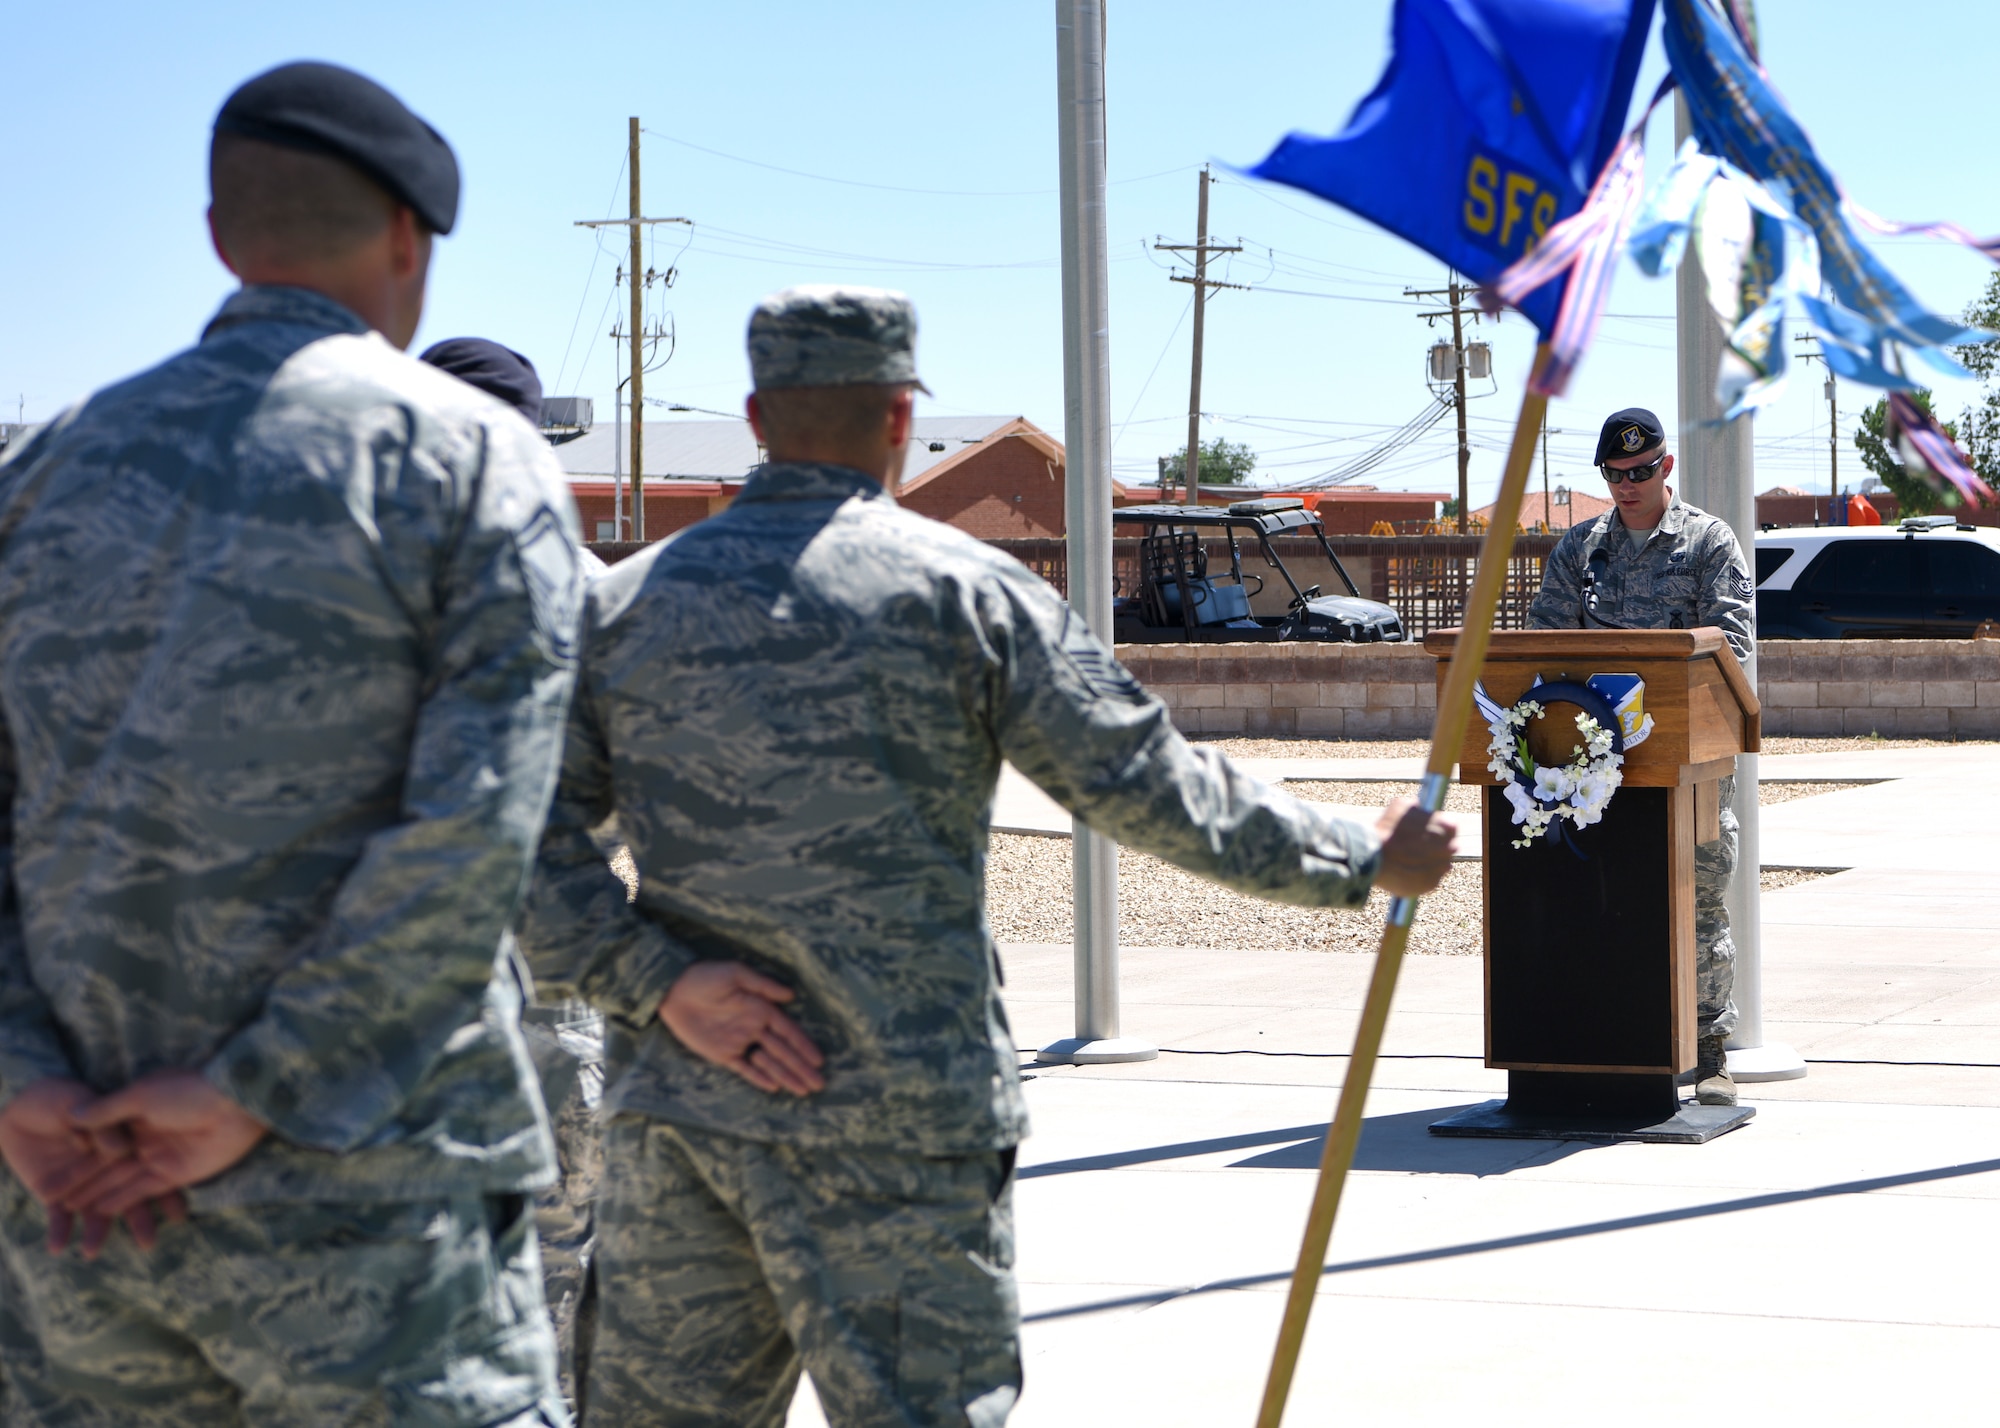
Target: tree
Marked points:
1914	495
1979	424
1223	463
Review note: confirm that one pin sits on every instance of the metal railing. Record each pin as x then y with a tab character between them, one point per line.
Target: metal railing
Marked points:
1424	578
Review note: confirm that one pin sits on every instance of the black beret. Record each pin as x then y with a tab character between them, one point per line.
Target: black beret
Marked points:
497	371
1628	433
325	109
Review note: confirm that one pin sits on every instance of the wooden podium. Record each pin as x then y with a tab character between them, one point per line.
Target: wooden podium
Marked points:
1589	944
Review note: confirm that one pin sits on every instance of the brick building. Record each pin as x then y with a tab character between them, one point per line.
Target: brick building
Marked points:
993	477
988	475
1564	508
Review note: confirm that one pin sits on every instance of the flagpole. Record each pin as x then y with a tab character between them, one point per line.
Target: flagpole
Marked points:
1454	709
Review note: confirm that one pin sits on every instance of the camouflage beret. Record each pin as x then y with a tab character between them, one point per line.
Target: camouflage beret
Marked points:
821	336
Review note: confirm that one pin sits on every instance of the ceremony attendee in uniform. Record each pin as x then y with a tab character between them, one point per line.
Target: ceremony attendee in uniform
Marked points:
1653	562
796	712
567	1038
287	638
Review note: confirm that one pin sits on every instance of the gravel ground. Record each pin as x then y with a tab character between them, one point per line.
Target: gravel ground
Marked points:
1419	748
1859	745
1374	793
1028	900
1770	793
1322	748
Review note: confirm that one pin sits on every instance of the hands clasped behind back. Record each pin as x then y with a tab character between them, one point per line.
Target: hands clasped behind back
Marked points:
729	1015
122	1156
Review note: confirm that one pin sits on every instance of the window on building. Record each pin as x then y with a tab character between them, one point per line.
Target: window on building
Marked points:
607	530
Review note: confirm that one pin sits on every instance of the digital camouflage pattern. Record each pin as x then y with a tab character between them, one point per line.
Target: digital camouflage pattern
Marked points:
418	1314
567	1042
1714	948
798	710
727	1265
1690	572
821	335
287	634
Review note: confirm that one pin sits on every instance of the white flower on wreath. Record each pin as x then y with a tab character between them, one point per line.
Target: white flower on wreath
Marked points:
1553	785
1524	803
1593	790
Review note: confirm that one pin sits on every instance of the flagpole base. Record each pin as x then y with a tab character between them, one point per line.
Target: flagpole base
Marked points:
1102	1051
1773	1061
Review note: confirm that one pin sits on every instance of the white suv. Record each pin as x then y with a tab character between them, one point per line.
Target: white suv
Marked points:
1927	578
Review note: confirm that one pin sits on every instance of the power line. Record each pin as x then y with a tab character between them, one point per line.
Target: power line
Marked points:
1150	375
596	258
789	252
1403	437
891	187
1201	282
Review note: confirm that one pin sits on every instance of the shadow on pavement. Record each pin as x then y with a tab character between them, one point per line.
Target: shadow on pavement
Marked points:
1584	1230
1399	1142
1404	1142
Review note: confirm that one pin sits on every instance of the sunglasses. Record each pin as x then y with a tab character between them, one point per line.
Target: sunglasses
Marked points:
1637	475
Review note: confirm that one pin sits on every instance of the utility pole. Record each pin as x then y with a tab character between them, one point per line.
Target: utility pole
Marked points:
1456	294
1201	248
637	378
1548	511
1813	354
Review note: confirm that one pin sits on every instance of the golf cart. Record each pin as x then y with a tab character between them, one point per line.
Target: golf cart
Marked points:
1178	598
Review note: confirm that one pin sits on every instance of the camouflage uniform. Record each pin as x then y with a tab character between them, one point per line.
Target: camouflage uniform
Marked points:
797	712
287	635
1689	572
567	1042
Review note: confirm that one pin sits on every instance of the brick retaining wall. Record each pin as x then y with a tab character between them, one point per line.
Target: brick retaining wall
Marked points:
1912	687
1291	690
1888	687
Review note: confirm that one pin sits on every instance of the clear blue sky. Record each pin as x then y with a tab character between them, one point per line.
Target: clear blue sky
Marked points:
104	264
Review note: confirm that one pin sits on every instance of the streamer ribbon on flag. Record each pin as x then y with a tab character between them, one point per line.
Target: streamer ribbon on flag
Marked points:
1950	232
1928	449
1586	246
1737	116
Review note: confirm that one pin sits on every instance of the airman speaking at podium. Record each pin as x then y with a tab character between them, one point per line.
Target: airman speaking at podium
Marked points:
1653	562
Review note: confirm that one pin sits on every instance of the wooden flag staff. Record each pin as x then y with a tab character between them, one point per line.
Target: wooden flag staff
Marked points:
1454	709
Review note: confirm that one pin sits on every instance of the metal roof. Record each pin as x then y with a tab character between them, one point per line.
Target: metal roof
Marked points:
1243	513
725	450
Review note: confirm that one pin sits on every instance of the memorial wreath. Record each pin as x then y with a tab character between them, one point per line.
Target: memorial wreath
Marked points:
1548	795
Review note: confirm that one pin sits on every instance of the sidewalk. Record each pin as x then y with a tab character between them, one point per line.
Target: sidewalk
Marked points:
1834	1262
1836	830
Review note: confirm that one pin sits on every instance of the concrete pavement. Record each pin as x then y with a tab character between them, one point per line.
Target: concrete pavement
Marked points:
1835	1262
